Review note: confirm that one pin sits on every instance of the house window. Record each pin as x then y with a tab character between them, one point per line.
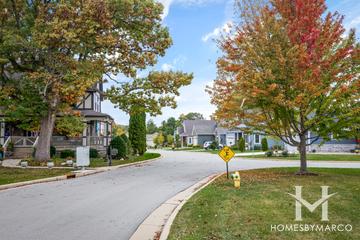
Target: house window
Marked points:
190	140
97	107
257	138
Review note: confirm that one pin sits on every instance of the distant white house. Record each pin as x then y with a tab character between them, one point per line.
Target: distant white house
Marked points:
150	139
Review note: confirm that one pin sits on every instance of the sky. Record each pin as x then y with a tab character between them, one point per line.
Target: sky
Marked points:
193	25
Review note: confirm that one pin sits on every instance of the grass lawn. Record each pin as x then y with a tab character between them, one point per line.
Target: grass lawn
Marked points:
315	157
99	162
208	151
13	175
221	212
235	151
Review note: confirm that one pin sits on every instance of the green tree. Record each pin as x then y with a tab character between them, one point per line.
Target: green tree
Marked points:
118	130
168	127
170	140
191	116
127	141
70	125
160	139
241	143
151	127
119	144
264	144
152	93
58	49
177	141
137	130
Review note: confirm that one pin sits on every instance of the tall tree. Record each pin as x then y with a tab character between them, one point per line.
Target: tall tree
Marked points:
191	116
58	49
288	70
151	127
137	130
153	92
168	127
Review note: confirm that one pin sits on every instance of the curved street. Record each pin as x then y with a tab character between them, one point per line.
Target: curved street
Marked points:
112	204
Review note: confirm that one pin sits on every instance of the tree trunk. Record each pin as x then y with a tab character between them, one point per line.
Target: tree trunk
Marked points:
302	151
46	129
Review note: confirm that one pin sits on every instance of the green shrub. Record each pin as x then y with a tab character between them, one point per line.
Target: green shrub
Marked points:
190	145
264	144
119	144
94	153
214	145
196	146
241	144
285	153
277	147
67	153
236	146
257	147
127	141
177	141
52	151
269	153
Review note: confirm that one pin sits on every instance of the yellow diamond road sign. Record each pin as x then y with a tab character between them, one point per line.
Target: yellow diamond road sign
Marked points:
226	154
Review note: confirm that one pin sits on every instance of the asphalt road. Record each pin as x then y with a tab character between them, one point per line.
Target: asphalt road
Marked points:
110	205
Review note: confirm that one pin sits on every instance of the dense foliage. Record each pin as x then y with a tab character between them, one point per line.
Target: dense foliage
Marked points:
127	141
137	130
264	144
51	52
288	68
67	153
241	144
119	144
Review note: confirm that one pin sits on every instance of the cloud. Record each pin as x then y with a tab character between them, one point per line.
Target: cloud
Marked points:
354	23
168	3
178	62
225	28
166	67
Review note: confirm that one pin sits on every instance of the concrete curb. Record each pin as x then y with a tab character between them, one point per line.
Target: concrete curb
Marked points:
157	225
77	174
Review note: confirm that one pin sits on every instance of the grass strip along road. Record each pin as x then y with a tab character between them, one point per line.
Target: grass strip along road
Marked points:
14	175
311	157
222	212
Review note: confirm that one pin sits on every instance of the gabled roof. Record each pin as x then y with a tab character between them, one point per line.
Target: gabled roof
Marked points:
197	127
221	130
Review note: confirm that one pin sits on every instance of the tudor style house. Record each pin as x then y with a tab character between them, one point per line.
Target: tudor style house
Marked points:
96	134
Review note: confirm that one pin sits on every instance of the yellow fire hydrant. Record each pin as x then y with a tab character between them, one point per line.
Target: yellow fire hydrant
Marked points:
236	177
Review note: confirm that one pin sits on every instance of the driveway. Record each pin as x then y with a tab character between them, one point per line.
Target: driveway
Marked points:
112	204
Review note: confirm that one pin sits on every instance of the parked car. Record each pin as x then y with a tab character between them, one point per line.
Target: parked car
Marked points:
207	144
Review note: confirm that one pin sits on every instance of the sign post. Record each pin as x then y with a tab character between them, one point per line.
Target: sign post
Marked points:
226	154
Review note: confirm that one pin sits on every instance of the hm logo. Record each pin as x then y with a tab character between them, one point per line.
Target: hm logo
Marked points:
323	201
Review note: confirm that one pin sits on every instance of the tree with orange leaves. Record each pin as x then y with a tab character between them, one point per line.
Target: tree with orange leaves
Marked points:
288	69
51	52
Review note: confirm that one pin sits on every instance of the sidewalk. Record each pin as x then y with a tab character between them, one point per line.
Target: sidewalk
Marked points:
249	154
11	162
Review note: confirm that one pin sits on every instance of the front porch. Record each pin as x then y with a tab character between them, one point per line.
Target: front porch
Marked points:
97	134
